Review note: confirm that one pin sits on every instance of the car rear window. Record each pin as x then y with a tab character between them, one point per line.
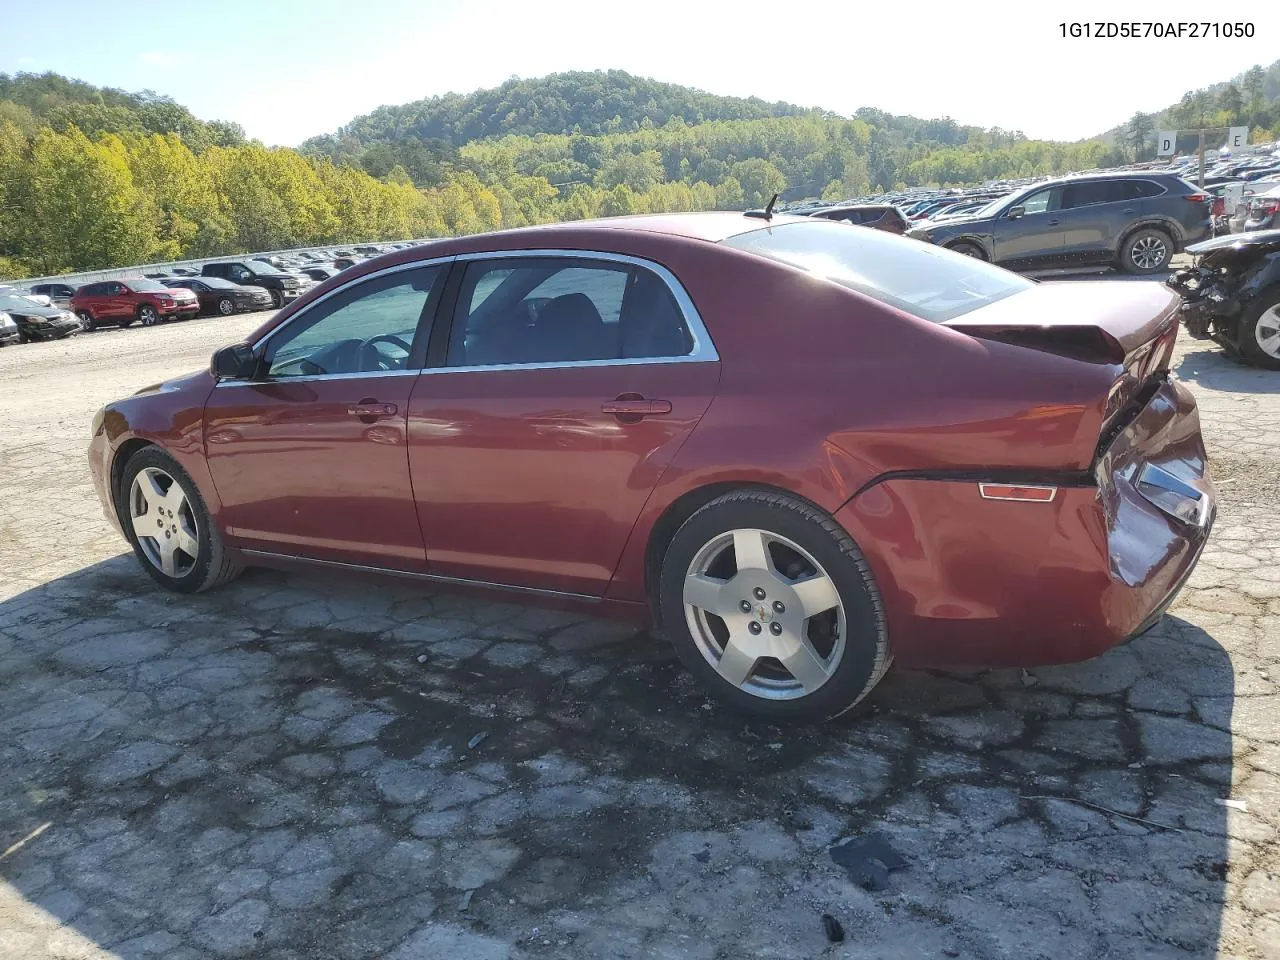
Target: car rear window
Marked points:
916	277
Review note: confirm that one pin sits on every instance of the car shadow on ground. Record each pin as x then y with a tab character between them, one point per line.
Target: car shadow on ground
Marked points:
304	767
1211	368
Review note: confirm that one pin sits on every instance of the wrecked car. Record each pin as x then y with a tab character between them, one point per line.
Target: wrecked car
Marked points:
1231	295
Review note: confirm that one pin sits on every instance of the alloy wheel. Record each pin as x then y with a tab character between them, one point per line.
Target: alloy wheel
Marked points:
148	317
1267	331
764	614
163	522
1149	253
226	307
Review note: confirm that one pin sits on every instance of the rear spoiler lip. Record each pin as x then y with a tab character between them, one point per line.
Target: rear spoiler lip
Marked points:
1114	338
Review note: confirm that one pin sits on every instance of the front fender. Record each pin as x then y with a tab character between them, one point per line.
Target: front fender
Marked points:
169	415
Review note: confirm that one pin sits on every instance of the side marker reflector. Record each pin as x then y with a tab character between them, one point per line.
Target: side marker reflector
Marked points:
1008	491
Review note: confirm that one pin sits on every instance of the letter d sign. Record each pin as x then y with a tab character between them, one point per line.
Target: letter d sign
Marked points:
1165	140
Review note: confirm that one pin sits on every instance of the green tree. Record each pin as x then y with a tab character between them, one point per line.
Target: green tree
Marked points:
1138	134
760	180
1251	85
79	207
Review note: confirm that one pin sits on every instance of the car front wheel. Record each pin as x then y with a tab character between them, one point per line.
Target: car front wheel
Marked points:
168	525
147	316
277	299
772	607
226	306
1147	251
969	250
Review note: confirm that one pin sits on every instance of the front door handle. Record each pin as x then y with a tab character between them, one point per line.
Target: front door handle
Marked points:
1054	223
370	410
631	407
1129	210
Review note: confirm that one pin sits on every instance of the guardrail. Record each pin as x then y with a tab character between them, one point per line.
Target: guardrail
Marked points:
120	273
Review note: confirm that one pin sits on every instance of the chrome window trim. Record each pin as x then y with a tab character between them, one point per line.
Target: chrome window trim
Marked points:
704	350
397	268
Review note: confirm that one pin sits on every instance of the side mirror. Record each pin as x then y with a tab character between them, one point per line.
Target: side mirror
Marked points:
1015	212
236	362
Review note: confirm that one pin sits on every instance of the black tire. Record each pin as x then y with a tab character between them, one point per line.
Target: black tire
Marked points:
1142	244
213	566
147	316
866	656
277	299
968	249
87	322
1251	325
226	306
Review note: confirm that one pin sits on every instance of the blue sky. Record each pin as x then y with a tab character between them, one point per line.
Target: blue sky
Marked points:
288	69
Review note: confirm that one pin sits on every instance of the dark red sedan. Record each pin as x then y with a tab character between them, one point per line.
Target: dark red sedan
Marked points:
801	451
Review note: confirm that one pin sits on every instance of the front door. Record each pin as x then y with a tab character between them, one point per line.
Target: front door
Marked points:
567	387
310	457
1033	238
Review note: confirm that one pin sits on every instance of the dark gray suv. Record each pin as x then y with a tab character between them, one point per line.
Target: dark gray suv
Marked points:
1136	221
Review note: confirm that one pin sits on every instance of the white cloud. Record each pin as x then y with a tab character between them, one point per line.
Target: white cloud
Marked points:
159	58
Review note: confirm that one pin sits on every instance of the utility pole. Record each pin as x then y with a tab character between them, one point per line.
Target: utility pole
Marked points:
1201	153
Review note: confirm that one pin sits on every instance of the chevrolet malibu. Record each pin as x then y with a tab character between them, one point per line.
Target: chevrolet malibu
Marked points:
799	451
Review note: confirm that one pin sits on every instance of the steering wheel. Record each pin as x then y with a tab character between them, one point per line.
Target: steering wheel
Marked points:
373	358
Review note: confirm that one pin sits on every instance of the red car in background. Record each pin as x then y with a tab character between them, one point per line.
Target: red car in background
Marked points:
800	451
121	302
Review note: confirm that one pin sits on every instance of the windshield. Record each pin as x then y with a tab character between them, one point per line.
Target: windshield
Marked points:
22	304
146	286
930	282
987	209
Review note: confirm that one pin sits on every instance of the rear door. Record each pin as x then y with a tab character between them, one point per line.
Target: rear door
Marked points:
1092	215
116	301
567	385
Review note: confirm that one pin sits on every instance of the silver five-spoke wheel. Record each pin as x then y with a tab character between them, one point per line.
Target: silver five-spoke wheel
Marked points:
764	614
163	522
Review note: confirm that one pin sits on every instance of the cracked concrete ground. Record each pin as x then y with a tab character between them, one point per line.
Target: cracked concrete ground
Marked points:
283	768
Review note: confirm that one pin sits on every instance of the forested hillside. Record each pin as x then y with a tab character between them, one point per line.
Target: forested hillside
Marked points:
1251	99
94	177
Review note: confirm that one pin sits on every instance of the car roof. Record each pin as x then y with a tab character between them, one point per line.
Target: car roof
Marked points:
710	226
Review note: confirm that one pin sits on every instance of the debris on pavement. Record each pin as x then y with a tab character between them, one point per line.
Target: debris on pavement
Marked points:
1235	804
835	932
1101	809
422	658
1028	680
465	903
868	860
475	741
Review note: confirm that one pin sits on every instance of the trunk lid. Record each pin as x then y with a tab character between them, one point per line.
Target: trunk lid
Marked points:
1129	325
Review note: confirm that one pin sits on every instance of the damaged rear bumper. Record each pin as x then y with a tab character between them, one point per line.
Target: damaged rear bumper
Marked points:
967	580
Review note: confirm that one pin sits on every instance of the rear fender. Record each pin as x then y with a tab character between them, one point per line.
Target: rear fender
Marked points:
1172	227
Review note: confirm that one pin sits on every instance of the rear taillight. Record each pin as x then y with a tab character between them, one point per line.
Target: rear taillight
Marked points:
1269	208
1196	197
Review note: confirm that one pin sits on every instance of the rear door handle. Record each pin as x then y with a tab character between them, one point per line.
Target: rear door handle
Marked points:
626	407
1129	210
369	410
1054	223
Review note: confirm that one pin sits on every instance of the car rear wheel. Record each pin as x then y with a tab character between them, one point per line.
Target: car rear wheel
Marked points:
169	527
147	316
226	306
86	320
770	604
1147	251
1260	330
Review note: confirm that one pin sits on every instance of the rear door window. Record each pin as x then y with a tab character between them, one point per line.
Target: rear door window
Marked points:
1087	193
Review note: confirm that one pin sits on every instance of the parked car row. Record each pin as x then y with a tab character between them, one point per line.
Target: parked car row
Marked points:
55	309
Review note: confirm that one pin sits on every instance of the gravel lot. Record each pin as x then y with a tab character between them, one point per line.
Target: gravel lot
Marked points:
282	768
